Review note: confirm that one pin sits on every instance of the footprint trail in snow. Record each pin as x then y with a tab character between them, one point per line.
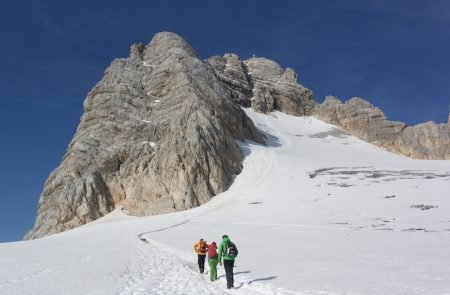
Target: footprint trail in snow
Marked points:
158	269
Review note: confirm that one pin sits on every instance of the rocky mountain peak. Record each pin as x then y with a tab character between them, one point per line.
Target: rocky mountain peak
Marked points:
164	45
158	133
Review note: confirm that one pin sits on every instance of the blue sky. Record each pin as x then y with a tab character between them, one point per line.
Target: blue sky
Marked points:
393	53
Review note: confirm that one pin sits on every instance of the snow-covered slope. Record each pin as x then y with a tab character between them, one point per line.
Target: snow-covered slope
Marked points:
315	212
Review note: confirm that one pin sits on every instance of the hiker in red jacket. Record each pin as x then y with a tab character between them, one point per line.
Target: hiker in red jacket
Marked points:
201	248
213	261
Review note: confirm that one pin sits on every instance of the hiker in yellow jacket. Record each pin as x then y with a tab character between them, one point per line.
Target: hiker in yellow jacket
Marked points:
201	248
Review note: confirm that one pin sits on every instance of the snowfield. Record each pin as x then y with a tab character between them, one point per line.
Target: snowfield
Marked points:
316	211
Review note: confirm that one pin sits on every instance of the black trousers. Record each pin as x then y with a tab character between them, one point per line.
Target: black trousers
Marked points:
229	264
201	262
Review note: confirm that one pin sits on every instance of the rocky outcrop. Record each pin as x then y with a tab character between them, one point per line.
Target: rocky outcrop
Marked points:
362	119
234	74
157	135
277	89
424	141
262	84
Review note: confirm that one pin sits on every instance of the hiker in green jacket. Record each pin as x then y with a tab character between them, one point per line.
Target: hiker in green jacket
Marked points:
229	252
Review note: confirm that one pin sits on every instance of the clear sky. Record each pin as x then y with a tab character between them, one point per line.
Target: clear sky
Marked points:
393	53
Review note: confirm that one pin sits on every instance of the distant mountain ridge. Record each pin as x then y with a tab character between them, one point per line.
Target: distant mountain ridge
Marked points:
158	132
265	86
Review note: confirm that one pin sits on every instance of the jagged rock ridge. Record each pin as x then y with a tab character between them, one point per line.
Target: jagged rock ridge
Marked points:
424	141
265	86
158	132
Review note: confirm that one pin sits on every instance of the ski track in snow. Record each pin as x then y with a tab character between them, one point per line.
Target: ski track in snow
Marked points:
159	269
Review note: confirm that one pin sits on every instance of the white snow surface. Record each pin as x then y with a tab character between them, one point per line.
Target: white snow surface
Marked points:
368	222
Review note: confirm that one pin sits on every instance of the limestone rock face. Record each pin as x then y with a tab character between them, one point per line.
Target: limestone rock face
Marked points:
262	84
277	89
425	141
233	72
157	135
359	117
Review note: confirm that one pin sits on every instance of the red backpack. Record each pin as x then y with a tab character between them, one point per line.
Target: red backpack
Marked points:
212	251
